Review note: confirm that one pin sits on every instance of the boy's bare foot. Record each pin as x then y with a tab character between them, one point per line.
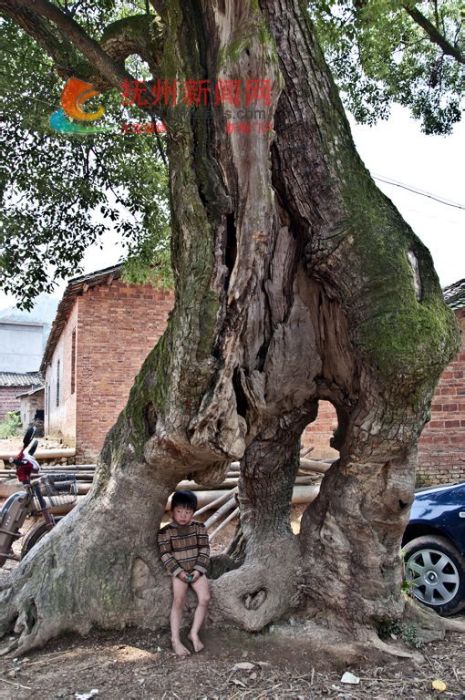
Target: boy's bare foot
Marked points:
196	643
179	649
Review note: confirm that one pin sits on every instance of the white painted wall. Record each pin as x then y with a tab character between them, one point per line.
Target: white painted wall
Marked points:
60	416
21	346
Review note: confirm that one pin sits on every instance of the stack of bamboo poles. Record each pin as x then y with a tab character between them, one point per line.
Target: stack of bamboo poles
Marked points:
84	476
225	504
225	507
221	499
54	454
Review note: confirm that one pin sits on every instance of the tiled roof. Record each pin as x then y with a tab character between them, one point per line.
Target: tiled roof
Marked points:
31	392
27	379
75	288
454	295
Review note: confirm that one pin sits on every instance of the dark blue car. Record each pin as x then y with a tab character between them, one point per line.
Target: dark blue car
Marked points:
434	548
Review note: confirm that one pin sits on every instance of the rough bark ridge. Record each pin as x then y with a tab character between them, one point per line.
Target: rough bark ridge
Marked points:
294	283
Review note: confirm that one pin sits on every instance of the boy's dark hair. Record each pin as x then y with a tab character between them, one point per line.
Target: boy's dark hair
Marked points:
184	498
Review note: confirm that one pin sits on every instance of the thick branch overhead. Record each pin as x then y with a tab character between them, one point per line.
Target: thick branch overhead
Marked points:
30	14
60	50
434	35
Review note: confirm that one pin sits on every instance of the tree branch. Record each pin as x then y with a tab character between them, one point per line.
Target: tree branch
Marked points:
104	62
61	52
132	35
434	35
112	71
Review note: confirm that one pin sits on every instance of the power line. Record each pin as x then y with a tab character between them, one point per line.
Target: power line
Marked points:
403	186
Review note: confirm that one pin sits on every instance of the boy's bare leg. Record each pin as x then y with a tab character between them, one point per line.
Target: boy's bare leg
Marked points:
203	596
179	599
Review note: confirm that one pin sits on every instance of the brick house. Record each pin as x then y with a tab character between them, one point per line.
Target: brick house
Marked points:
102	332
104	329
441	449
31	408
12	384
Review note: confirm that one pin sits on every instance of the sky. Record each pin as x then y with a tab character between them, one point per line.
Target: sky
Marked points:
394	150
397	150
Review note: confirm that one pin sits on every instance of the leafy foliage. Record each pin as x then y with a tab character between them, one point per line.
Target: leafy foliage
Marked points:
10	425
379	55
61	193
388	630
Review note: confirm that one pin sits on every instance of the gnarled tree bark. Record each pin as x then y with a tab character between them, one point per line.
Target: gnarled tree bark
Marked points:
294	283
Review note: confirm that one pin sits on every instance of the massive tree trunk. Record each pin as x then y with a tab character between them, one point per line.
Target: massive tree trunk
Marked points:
296	280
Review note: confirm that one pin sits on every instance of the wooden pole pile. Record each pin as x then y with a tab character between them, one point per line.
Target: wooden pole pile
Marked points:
84	474
44	455
221	498
224	501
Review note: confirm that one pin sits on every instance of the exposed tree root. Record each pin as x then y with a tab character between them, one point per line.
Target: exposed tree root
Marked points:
429	625
263	589
96	568
454	625
342	645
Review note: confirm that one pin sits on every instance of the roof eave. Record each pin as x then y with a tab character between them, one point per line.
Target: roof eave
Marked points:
76	287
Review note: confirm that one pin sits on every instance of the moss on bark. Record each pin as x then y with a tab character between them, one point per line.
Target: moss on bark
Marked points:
408	340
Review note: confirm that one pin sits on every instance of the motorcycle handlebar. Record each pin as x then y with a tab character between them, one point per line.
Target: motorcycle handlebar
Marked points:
28	435
33	447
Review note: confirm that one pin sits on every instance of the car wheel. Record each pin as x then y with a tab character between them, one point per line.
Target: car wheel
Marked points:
436	571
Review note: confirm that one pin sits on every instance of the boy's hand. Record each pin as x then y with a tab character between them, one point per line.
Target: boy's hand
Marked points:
183	576
195	576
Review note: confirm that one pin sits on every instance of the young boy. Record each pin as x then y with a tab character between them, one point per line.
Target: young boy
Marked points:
185	553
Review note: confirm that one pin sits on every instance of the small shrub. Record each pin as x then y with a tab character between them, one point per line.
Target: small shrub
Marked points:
10	425
407	584
399	630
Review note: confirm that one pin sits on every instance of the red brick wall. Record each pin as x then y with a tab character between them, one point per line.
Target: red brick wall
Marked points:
441	450
8	400
319	433
117	327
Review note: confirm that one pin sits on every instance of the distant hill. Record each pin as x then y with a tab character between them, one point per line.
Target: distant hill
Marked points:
43	311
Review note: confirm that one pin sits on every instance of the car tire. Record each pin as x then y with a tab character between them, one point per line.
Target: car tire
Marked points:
436	571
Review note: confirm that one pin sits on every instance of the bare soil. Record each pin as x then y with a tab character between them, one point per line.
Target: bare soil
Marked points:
135	664
15	443
140	664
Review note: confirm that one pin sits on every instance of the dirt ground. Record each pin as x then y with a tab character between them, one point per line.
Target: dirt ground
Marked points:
134	665
137	664
15	443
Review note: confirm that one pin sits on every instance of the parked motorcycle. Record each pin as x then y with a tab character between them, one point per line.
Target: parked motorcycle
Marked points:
42	496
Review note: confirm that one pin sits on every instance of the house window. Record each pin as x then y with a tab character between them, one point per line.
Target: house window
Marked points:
73	362
58	383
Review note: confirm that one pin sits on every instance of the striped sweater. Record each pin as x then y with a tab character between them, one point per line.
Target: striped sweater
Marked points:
184	548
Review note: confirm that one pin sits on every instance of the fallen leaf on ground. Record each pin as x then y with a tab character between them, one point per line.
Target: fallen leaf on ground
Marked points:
439	685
